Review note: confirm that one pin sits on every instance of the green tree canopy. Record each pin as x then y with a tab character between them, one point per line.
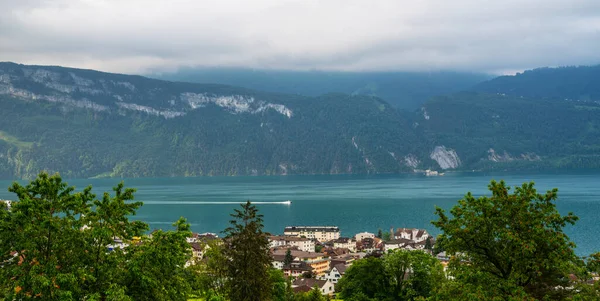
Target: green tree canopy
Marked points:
53	241
509	244
247	248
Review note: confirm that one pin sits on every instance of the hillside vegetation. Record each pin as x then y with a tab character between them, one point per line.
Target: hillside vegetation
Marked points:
85	123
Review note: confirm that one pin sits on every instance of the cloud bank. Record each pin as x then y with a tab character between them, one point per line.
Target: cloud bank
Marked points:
137	36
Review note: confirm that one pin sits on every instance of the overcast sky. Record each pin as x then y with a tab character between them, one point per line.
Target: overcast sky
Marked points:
138	36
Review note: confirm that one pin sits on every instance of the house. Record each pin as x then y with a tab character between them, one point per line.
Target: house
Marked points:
307	284
278	261
345	242
296	269
336	273
394	244
320	233
302	243
197	250
363	235
318	261
196	237
344	260
416	235
367	245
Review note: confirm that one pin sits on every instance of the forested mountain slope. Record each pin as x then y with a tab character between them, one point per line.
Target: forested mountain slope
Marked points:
492	131
85	123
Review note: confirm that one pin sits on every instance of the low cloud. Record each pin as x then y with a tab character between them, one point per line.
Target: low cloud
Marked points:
137	36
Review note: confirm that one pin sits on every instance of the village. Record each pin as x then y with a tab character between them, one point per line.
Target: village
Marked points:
318	256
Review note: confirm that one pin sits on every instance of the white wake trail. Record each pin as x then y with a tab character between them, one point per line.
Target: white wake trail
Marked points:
212	203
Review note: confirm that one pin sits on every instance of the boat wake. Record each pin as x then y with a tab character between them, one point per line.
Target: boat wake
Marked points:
212	203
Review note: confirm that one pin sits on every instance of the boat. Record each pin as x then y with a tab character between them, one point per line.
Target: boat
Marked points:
431	173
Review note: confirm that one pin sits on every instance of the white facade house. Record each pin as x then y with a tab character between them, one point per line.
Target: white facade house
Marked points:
415	235
346	243
396	244
303	244
363	235
326	287
320	233
336	273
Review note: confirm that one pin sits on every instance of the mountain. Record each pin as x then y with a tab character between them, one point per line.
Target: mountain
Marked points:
406	90
497	131
565	83
85	123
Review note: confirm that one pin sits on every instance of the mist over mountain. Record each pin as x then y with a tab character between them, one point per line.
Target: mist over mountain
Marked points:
406	90
85	123
577	83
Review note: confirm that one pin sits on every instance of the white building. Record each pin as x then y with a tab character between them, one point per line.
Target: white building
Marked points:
415	235
302	243
396	244
336	273
363	235
320	233
346	243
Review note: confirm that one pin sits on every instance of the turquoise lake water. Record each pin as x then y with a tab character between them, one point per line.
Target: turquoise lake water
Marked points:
354	203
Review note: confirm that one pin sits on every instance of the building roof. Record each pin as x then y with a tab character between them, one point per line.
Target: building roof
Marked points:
309	282
419	232
341	268
298	266
342	240
302	289
288	238
399	241
278	257
299	254
312	228
196	246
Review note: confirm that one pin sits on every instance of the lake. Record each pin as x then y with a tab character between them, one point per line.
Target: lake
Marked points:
355	203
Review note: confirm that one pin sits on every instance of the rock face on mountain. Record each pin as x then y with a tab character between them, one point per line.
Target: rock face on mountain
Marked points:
84	123
445	158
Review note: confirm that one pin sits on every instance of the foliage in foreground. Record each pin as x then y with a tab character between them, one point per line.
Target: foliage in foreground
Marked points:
508	245
399	275
53	246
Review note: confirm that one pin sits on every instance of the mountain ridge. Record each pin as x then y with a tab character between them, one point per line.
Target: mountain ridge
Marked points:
89	124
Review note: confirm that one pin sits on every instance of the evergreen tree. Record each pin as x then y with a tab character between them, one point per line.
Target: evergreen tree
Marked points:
428	245
288	258
249	260
379	233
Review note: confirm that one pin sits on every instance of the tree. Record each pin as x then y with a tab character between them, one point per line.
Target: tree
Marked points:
367	276
53	242
412	274
379	233
288	258
282	287
386	236
509	245
209	275
155	268
247	248
428	245
318	248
